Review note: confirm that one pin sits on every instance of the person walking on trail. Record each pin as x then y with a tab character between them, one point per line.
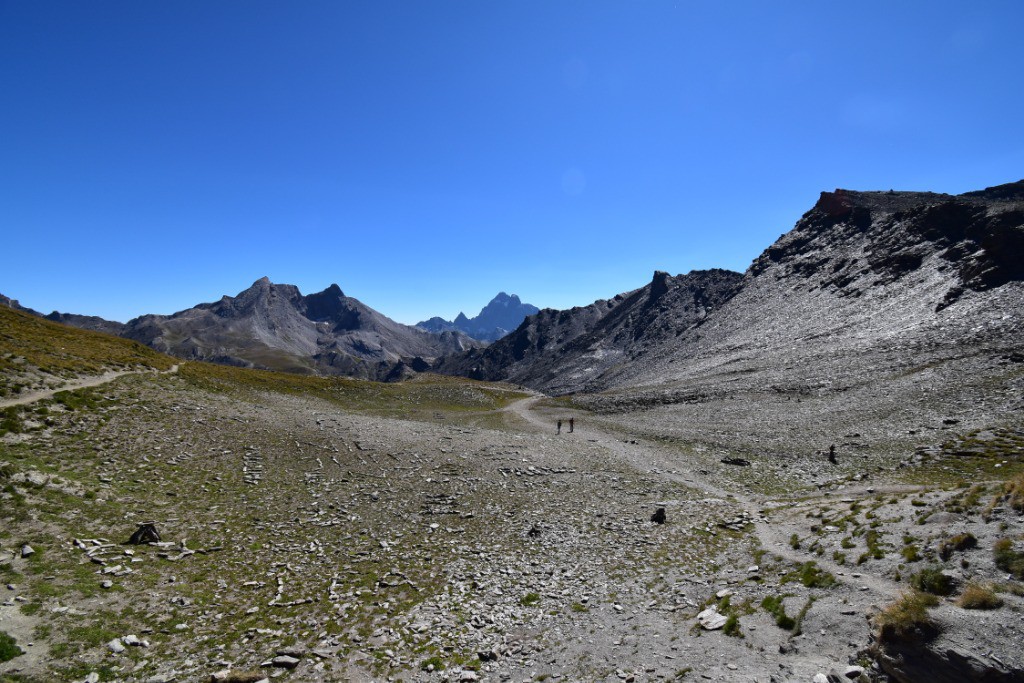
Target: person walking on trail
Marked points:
559	427
572	424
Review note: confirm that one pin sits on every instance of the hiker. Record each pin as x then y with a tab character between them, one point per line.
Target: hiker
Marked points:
831	453
572	424
559	427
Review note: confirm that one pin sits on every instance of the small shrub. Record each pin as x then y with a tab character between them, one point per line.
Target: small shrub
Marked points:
811	575
959	542
1015	493
529	600
774	606
874	543
434	663
732	626
976	596
8	647
794	542
907	617
1008	559
911	553
932	580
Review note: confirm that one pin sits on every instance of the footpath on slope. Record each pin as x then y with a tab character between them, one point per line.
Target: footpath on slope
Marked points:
83	383
640	454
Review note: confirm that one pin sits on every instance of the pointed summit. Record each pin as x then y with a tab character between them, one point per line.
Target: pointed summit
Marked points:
501	315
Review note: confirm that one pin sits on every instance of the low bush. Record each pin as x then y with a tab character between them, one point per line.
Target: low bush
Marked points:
976	596
959	542
907	618
1015	493
8	647
811	575
732	626
1008	559
932	580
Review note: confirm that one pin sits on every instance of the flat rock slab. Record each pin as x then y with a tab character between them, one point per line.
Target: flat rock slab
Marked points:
711	619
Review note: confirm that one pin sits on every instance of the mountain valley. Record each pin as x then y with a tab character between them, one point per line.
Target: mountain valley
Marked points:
832	441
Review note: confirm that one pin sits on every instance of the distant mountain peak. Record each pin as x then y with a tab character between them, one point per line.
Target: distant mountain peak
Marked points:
504	313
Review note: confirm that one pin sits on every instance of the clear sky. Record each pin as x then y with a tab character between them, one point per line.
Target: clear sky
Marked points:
427	155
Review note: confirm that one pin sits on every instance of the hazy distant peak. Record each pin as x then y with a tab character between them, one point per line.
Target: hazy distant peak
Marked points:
504	313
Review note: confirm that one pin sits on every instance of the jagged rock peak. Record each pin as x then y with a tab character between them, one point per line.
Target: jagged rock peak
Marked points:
333	290
659	284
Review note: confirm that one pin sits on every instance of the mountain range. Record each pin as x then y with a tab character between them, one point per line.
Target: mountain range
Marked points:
503	314
275	326
882	280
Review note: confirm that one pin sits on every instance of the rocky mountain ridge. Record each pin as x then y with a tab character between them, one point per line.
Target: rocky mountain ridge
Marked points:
564	350
276	326
500	316
861	272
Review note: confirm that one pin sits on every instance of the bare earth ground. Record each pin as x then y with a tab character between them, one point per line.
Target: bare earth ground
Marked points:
472	542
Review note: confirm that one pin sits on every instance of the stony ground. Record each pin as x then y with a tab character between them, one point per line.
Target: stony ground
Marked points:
448	533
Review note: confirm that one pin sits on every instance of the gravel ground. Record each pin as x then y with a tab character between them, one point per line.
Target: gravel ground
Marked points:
305	541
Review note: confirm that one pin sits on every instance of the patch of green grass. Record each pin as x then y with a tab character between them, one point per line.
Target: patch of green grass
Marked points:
434	663
773	604
732	626
811	576
30	608
529	600
8	647
932	580
911	553
1008	559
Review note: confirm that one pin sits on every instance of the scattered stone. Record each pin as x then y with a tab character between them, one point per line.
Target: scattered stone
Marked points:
116	646
711	619
146	533
27	550
285	662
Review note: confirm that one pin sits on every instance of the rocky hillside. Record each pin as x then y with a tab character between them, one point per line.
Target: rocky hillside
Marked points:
277	327
881	281
503	314
562	351
867	274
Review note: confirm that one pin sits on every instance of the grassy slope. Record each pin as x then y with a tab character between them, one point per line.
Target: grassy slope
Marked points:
33	349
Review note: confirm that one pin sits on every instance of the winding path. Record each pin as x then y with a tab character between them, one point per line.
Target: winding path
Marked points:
84	383
769	536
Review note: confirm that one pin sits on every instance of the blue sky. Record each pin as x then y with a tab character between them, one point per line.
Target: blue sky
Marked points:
426	155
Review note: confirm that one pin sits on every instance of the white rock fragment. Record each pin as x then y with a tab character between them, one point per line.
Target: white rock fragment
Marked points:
711	619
